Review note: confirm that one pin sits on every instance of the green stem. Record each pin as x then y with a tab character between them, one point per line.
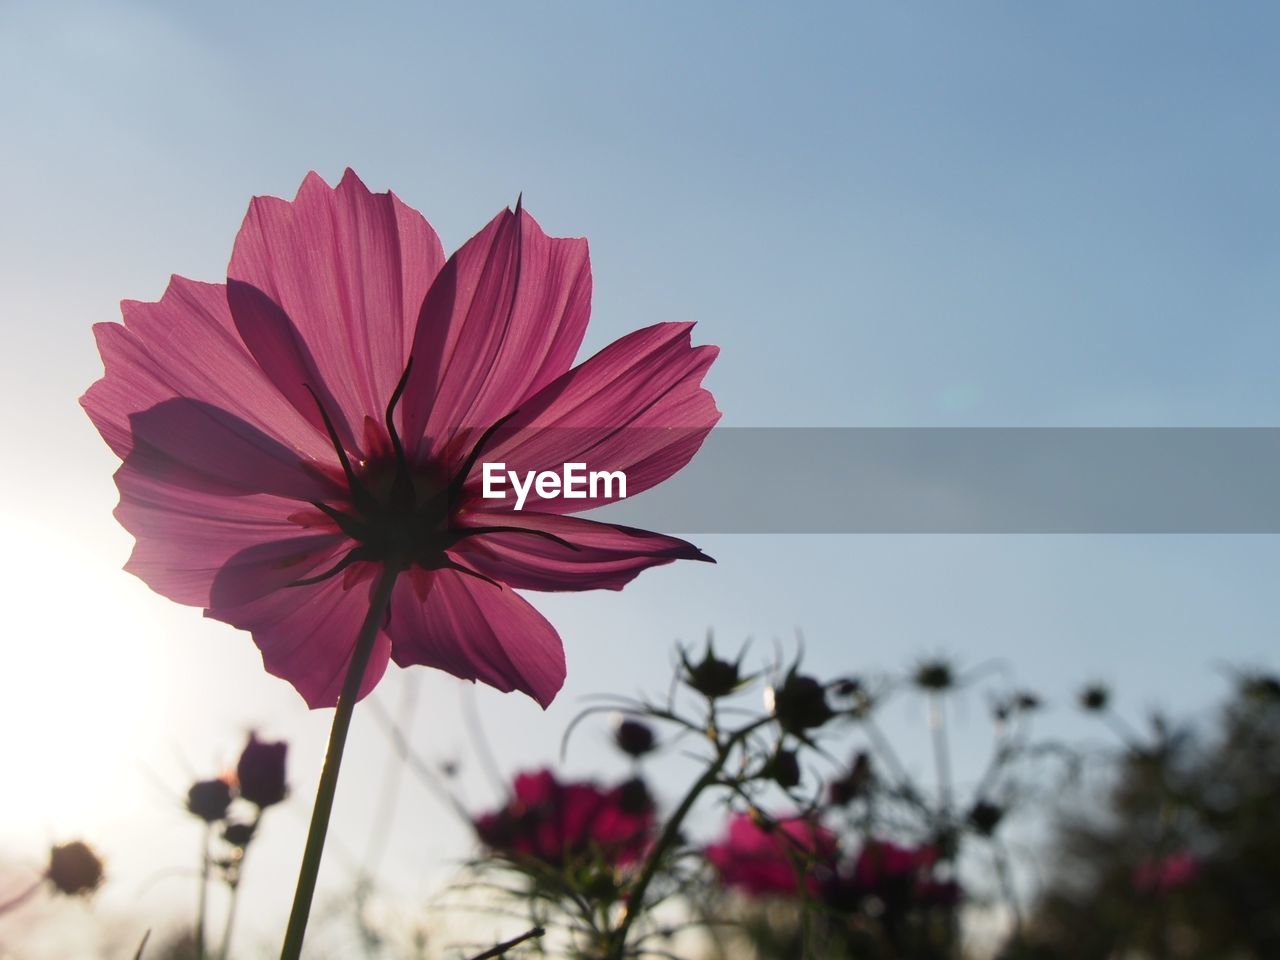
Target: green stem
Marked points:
314	850
635	896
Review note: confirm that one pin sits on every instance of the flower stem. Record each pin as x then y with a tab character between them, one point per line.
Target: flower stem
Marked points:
668	837
202	904
16	901
235	892
314	849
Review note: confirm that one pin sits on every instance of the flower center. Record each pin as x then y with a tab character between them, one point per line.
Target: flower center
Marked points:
399	514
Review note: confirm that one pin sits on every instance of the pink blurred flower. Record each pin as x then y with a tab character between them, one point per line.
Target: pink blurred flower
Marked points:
1166	874
557	823
772	860
881	861
898	877
288	433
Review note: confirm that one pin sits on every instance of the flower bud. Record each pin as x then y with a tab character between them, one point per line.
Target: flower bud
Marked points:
799	704
634	798
985	816
634	738
238	834
1095	698
209	799
856	783
713	677
74	869
934	676
261	772
783	768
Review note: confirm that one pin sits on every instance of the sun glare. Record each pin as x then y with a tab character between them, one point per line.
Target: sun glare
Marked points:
77	688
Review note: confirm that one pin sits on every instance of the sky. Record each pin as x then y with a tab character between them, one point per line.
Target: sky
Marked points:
884	214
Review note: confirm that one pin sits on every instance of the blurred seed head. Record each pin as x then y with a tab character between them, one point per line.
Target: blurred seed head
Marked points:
634	797
783	768
209	800
712	677
985	817
74	869
238	834
634	738
1094	698
799	703
935	676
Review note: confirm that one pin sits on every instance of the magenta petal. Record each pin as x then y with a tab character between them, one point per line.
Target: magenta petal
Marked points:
187	538
476	631
504	318
637	406
186	345
349	269
189	443
601	555
308	634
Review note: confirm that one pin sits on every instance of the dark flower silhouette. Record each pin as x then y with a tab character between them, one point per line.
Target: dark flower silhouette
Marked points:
261	772
74	869
209	799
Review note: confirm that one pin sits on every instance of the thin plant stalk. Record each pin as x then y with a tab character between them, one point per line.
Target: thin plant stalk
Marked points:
202	902
227	927
670	832
16	901
314	850
941	750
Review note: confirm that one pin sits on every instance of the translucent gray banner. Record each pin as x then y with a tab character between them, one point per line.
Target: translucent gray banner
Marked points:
997	480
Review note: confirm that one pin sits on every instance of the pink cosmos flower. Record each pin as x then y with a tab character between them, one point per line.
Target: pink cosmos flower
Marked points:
765	861
900	878
321	415
556	823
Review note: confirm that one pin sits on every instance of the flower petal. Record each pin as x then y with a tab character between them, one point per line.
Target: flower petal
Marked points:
186	345
636	406
504	318
598	555
308	634
188	538
349	270
193	444
475	631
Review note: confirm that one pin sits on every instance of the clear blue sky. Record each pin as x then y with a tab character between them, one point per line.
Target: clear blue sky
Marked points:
885	214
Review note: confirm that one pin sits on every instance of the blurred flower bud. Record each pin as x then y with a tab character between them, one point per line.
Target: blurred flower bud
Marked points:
634	738
783	768
854	784
934	676
985	816
1094	698
74	869
239	834
261	772
799	704
634	797
713	677
1027	701
209	799
853	696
